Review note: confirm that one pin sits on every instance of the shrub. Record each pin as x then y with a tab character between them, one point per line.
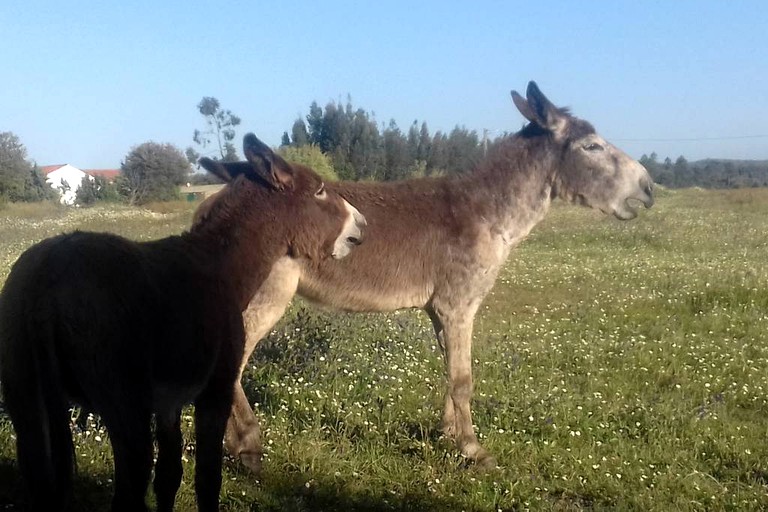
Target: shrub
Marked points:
311	156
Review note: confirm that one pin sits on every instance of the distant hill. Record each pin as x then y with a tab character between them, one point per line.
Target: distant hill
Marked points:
708	173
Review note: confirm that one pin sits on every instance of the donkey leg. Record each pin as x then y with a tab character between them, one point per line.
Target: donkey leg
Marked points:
131	436
44	452
448	423
211	410
168	470
456	334
243	437
243	432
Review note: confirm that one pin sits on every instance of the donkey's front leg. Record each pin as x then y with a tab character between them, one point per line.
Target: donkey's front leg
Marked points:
243	437
454	332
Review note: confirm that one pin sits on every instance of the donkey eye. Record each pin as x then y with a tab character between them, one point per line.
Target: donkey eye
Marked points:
593	147
320	194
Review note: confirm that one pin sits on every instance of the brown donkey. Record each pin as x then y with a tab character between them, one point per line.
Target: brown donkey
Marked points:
438	244
132	329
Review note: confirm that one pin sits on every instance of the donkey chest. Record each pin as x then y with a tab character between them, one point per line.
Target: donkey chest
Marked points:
187	357
170	397
180	372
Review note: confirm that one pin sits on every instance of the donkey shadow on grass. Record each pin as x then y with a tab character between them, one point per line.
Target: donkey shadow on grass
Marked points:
305	491
279	493
286	490
92	492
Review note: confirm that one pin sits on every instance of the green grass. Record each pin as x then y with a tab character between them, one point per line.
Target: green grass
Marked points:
618	366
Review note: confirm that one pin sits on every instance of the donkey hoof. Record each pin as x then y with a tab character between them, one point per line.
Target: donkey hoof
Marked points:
251	460
448	430
486	462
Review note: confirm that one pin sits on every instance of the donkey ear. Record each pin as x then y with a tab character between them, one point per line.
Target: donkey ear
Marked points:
268	165
548	115
226	171
524	108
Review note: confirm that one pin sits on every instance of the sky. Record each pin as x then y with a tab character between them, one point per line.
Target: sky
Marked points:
82	82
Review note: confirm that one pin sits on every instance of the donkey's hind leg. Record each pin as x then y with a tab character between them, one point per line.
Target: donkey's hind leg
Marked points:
168	470
131	436
454	332
243	437
44	451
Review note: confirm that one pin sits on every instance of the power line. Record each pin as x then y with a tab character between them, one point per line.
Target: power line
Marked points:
487	132
694	139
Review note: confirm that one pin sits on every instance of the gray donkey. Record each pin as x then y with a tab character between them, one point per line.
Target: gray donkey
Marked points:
438	244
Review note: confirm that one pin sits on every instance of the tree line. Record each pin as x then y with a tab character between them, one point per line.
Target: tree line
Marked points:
340	141
362	149
708	173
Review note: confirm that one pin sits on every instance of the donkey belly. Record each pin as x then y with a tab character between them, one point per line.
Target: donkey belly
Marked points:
363	291
168	398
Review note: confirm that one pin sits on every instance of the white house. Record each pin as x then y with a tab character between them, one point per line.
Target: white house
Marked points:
59	175
66	179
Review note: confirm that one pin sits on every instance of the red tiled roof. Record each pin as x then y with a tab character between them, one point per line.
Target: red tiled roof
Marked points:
108	174
47	169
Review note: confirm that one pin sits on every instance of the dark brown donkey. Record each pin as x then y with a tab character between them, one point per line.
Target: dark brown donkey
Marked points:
133	329
438	244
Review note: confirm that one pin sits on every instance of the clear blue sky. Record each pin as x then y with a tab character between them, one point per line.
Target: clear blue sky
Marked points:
83	82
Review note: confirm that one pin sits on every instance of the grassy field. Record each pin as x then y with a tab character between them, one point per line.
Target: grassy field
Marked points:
618	366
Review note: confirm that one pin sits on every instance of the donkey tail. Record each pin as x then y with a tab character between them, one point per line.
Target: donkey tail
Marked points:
35	400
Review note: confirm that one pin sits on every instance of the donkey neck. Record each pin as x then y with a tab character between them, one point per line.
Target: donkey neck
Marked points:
241	251
516	181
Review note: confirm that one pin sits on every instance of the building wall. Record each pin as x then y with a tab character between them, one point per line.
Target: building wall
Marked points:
69	174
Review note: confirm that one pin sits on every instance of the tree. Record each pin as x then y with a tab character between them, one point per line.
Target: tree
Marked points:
299	134
95	188
35	186
153	172
464	150
413	141
397	161
315	125
327	129
437	162
425	143
365	150
220	129
658	172
311	156
192	156
13	165
20	180
682	173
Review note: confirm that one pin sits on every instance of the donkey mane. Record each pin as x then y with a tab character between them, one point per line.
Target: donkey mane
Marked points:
223	206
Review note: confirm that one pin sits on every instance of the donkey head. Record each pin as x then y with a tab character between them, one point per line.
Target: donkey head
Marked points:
316	222
590	170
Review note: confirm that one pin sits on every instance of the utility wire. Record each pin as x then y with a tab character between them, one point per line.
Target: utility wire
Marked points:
487	132
694	139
